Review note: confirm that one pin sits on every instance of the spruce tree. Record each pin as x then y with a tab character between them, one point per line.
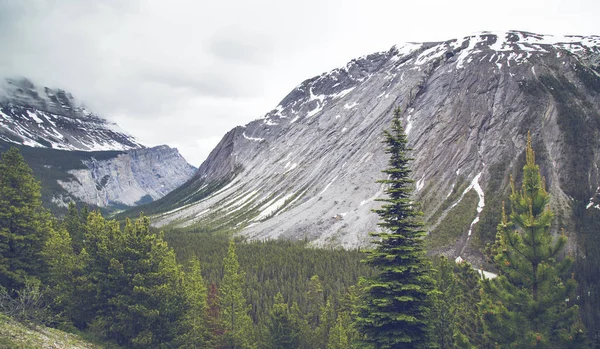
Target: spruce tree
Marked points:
396	302
133	295
193	328
24	224
283	327
338	336
530	303
236	320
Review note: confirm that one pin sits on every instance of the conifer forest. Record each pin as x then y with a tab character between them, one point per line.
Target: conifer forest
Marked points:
125	284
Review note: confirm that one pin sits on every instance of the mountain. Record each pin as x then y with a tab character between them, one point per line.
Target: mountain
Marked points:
52	118
308	168
80	156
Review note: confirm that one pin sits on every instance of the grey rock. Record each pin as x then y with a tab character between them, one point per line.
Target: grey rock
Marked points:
137	175
308	169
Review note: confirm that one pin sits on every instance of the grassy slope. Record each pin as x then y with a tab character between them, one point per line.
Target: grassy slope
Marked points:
16	335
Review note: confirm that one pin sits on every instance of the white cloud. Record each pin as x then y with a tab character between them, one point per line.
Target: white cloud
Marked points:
185	72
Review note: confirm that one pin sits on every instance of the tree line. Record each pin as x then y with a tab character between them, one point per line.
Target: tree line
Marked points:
128	285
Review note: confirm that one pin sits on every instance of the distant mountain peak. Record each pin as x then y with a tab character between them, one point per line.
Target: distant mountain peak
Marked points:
38	116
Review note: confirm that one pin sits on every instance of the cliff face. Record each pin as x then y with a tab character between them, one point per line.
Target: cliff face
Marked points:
132	178
308	169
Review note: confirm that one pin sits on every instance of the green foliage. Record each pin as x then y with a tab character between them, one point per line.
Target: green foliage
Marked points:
273	266
586	269
132	295
237	322
193	323
284	328
455	314
28	304
340	336
51	165
529	303
395	310
457	222
24	224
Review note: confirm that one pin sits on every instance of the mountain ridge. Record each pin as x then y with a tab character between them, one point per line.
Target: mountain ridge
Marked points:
308	168
52	118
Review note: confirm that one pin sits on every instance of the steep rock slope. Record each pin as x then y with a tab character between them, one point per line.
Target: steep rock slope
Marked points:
81	156
308	169
135	177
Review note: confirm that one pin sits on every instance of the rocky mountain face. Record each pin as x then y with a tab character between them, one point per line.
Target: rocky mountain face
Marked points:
308	168
79	155
135	177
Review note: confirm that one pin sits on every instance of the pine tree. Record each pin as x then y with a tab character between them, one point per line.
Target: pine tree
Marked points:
338	336
283	328
193	322
214	322
24	224
530	302
133	295
74	222
236	320
395	310
63	268
455	313
443	312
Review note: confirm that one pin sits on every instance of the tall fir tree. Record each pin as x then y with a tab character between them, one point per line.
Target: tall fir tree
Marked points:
283	328
530	303
236	319
192	325
396	302
24	224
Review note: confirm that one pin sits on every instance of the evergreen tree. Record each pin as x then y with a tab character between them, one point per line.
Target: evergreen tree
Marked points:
75	222
338	336
283	328
326	322
315	301
395	310
133	296
24	224
530	302
63	268
237	322
214	322
444	316
455	314
193	323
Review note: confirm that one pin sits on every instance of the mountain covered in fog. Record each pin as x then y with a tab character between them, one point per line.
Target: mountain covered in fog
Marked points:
81	156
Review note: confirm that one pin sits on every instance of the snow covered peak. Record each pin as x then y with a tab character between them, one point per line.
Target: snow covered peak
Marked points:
506	41
52	118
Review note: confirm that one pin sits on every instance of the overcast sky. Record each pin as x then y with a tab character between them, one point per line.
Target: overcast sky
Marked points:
184	72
